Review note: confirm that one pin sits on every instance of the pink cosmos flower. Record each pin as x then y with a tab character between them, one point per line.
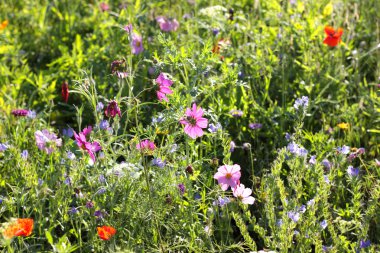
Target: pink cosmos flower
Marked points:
194	122
163	87
91	148
47	141
228	175
146	145
244	194
167	25
112	109
137	46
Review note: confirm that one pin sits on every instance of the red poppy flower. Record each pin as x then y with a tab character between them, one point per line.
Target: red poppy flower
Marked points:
65	91
106	232
333	37
20	227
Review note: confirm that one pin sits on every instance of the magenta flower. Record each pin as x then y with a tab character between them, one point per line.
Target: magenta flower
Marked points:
104	6
91	148
47	141
244	194
128	28
20	112
167	25
146	146
163	87
194	122
228	175
136	43
112	109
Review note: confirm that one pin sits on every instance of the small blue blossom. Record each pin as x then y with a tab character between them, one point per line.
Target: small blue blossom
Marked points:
73	210
67	181
323	224
353	172
254	126
24	154
99	107
312	160
326	248
101	191
279	222
3	146
158	119
311	202
326	178
158	162
173	148
343	150
295	216
302	209
215	31
214	128
31	114
326	163
221	201
70	155
288	136
301	103
104	124
40	181
364	244
68	132
101	179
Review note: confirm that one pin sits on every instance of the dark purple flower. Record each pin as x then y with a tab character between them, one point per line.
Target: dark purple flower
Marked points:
181	188
364	244
20	112
215	31
353	172
112	109
73	210
255	125
89	204
99	214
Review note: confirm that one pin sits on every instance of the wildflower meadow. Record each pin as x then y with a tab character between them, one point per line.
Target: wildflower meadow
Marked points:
190	126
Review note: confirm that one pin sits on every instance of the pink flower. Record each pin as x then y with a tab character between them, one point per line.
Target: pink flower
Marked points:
163	87
104	6
112	109
244	194
20	112
194	122
47	141
137	46
228	175
91	148
146	145
128	28
167	25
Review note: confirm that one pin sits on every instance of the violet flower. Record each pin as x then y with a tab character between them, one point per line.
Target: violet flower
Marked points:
47	141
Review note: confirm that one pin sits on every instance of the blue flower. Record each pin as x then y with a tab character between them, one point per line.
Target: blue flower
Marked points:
3	146
326	163
68	132
99	107
104	124
295	216
343	150
255	125
24	154
73	210
313	160
70	155
323	224
353	172
158	162
214	128
364	244
301	103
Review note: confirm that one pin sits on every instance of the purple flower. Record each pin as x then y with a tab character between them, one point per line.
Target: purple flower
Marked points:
40	181
158	162
104	124
343	150
215	31
301	103
221	201
312	160
255	125
279	222
326	248
364	244
98	214
101	179
70	155
302	209
311	202
214	128
288	136
295	216
128	28
326	164
232	146
360	151
353	172
173	148
326	178
24	154
164	84
101	191
323	224
236	113
99	107
121	74
112	109
167	25
181	188
136	43
89	204
20	112
68	132
47	141
73	210
31	114
67	181
302	152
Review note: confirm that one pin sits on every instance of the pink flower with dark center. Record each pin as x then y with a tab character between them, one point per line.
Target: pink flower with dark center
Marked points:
163	87
228	175
194	122
244	194
112	109
47	141
167	25
91	148
20	112
146	146
136	43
